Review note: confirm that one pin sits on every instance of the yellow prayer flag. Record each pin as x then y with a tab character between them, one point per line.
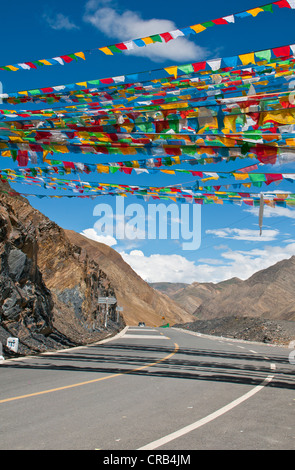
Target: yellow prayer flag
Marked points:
255	11
247	58
172	71
148	40
80	54
44	61
128	151
176	160
230	122
210	178
61	148
11	67
13	138
102	168
105	50
198	28
241	176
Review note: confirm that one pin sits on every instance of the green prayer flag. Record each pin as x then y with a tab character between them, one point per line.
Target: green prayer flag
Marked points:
114	169
186	68
257	177
207	24
263	55
156	38
267	8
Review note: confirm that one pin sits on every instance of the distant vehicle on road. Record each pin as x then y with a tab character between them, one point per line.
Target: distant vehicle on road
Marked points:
141	323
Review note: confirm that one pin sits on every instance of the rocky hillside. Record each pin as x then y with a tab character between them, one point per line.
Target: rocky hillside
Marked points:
261	308
191	296
269	293
50	281
245	328
48	287
139	300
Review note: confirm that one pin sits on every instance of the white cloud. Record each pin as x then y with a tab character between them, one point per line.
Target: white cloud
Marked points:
273	211
59	21
244	234
157	267
93	235
130	25
176	268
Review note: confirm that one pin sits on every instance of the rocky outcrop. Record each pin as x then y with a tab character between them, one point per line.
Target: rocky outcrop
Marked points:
269	293
139	300
49	288
26	305
51	279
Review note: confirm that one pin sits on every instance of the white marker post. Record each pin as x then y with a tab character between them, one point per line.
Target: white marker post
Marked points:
1	353
107	301
119	309
12	344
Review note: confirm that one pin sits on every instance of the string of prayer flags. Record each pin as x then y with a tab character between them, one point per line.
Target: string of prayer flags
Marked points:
153	39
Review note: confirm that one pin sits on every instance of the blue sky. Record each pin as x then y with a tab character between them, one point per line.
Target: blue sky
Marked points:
230	241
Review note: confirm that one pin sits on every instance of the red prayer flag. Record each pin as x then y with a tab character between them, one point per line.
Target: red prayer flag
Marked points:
121	46
22	158
106	81
66	58
69	165
166	36
47	90
199	66
282	4
281	51
271	177
219	21
30	64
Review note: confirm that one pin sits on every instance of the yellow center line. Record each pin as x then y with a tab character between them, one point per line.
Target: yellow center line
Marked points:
176	348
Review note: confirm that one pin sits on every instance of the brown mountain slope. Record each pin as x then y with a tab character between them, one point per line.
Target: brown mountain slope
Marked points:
139	300
269	293
48	288
191	296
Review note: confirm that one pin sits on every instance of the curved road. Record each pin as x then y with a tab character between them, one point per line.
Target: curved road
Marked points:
150	388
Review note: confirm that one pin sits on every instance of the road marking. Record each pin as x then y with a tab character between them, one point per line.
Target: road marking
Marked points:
176	348
141	329
145	336
251	350
273	367
201	422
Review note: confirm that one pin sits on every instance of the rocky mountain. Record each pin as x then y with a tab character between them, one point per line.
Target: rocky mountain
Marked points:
168	288
50	281
262	308
139	300
48	287
191	296
268	293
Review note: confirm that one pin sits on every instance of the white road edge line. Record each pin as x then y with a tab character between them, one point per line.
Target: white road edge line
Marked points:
181	432
128	336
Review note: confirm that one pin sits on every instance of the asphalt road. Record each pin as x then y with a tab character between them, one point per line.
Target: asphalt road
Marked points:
150	389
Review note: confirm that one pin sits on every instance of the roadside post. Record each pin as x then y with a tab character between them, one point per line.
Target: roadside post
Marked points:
107	301
119	309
